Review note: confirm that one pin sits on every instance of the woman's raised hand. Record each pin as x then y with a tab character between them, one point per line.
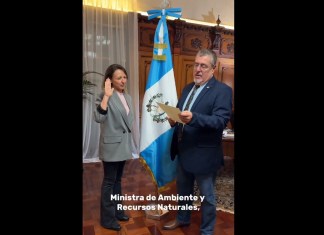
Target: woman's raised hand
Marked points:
108	89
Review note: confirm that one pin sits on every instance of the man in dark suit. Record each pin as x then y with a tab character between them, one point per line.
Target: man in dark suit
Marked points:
206	106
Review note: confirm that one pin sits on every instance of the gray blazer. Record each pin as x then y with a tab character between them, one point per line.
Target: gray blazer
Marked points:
115	129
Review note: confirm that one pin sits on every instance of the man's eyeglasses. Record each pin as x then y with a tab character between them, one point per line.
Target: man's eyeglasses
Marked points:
202	66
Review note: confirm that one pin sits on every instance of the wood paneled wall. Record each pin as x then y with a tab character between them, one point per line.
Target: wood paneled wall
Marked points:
185	40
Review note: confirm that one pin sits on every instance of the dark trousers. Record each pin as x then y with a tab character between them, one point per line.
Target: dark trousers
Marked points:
111	186
185	187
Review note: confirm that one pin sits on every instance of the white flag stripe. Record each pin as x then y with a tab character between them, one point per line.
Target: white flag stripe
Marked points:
160	39
166	85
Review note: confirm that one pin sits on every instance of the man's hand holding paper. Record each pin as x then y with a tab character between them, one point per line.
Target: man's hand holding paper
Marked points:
172	112
185	116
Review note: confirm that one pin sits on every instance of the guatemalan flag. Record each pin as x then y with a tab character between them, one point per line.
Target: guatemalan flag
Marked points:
156	133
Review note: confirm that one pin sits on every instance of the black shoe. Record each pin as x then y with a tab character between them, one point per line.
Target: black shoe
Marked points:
115	227
122	218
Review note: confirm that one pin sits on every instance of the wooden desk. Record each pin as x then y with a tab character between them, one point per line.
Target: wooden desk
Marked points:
228	146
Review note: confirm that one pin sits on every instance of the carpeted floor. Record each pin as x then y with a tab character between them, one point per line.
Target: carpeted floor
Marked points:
224	187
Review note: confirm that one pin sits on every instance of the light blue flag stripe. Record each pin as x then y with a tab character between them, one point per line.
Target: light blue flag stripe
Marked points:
162	167
160	67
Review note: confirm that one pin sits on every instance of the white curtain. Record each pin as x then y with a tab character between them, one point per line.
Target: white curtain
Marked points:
109	36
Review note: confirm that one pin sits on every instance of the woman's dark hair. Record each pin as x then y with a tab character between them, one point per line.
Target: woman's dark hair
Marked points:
110	71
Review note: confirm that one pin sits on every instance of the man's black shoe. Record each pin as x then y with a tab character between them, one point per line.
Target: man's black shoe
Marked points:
122	218
115	227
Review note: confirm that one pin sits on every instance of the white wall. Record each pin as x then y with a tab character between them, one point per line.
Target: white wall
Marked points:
203	10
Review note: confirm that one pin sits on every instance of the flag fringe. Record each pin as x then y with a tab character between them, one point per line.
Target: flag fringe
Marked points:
161	189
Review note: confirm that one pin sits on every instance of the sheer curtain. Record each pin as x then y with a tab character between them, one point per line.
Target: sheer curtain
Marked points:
109	36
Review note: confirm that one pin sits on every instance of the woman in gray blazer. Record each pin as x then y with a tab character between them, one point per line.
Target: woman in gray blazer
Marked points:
115	114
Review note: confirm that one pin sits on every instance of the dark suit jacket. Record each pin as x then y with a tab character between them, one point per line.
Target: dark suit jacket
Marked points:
200	150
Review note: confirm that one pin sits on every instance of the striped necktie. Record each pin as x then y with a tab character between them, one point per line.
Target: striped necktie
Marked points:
191	97
181	126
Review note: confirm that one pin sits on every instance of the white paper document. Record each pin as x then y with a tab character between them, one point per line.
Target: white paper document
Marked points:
172	112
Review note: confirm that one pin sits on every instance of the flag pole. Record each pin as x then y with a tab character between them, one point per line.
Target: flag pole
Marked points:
157	212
